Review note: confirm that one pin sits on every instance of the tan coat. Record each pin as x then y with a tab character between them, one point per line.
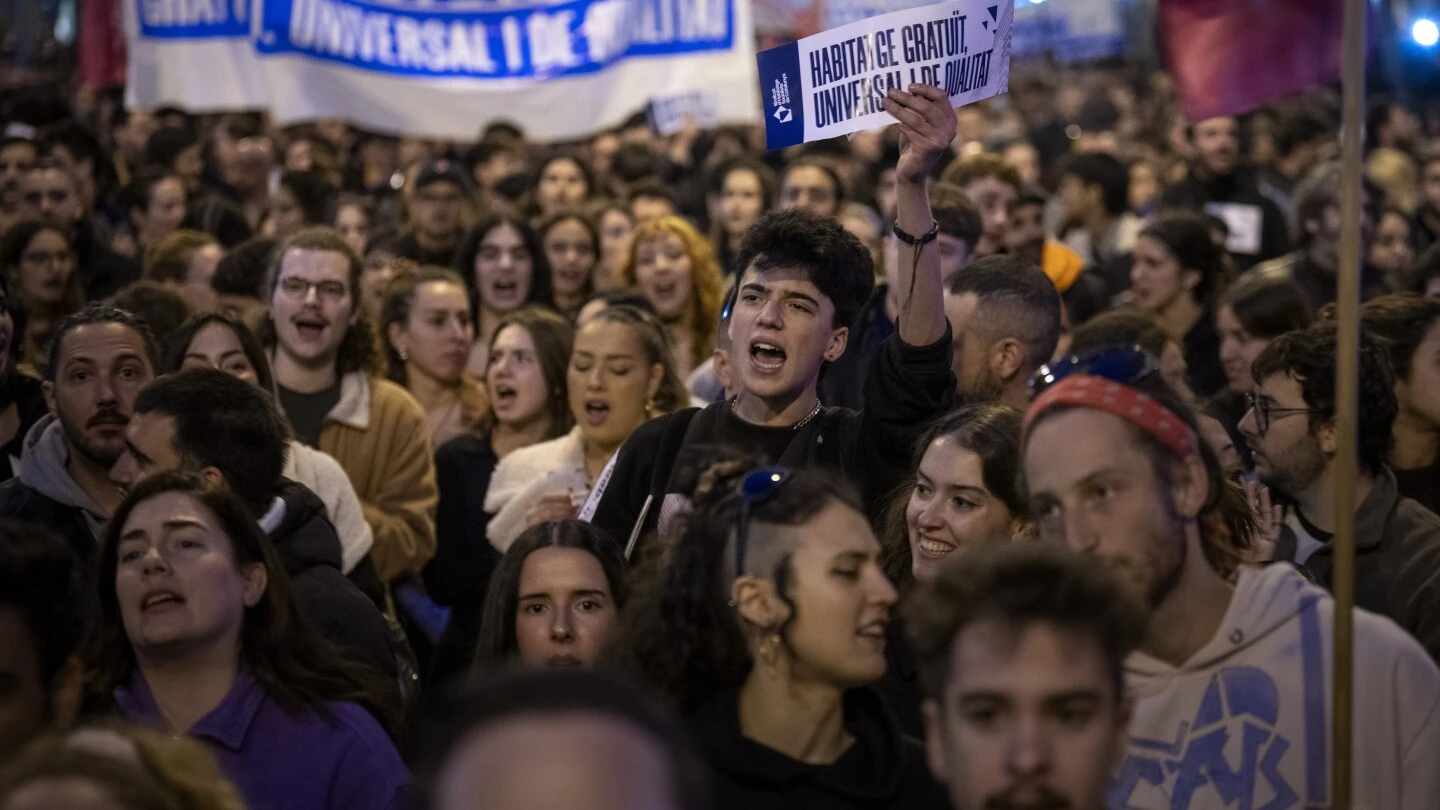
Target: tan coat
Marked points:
378	434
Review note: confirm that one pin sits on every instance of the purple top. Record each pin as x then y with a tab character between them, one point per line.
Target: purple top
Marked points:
299	761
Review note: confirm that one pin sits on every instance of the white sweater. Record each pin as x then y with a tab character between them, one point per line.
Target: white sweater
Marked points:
525	476
324	476
1246	721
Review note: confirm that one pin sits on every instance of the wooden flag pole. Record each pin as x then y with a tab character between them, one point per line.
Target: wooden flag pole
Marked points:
1347	381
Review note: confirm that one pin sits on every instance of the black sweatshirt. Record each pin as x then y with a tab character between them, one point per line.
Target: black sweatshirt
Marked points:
882	769
907	388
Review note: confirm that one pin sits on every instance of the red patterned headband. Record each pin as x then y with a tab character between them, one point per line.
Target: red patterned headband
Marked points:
1135	407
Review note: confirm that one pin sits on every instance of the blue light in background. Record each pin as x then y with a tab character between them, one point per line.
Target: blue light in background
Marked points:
1425	33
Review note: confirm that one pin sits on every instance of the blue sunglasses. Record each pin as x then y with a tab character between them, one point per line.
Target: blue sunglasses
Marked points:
758	487
1122	364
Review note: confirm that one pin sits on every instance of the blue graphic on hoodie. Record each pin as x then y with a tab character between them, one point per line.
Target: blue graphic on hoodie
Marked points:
1241	704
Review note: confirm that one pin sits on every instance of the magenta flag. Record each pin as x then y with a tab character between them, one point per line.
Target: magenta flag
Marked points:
1231	56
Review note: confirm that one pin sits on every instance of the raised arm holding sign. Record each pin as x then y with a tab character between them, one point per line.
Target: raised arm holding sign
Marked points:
927	126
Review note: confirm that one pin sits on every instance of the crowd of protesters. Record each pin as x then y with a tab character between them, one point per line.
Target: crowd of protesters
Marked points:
988	460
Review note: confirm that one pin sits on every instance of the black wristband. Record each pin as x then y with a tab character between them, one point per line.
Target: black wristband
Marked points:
916	241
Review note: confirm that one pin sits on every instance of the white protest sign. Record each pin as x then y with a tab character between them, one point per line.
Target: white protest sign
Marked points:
833	83
669	114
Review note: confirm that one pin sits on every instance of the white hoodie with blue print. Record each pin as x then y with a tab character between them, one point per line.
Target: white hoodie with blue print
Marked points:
1245	723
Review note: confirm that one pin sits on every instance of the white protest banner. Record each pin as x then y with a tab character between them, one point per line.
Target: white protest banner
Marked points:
670	114
446	68
197	55
833	83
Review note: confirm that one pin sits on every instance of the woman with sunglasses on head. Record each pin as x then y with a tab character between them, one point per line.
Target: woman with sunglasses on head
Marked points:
1178	273
504	265
197	635
428	333
620	376
555	601
526	381
767	629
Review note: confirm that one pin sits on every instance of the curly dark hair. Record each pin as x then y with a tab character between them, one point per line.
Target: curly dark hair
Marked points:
832	258
496	646
298	668
1308	355
681	636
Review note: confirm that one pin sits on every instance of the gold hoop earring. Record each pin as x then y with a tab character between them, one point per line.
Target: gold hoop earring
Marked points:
650	412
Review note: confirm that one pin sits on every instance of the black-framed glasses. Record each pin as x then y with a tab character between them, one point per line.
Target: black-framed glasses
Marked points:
758	487
1265	413
1121	364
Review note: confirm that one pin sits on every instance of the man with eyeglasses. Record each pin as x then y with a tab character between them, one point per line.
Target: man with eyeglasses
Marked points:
51	193
436	209
1231	679
1291	431
17	155
332	391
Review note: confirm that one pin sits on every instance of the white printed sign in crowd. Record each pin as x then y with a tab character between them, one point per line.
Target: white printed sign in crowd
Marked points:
833	83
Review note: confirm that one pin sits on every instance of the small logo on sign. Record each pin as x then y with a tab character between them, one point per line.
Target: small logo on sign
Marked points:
780	93
783	115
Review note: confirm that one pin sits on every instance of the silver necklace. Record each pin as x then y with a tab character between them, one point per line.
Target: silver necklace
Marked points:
802	423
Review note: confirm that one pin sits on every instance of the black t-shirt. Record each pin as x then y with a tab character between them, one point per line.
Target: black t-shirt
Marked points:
307	412
907	388
409	248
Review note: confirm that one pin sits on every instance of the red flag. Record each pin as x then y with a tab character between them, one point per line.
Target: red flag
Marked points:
1231	56
101	44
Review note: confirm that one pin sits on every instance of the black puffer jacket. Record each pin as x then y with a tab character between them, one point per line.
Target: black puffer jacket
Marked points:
882	769
310	549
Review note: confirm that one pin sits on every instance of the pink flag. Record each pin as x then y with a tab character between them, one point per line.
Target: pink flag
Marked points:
1231	56
101	44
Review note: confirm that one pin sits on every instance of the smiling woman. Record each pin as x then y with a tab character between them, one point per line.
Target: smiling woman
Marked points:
198	635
